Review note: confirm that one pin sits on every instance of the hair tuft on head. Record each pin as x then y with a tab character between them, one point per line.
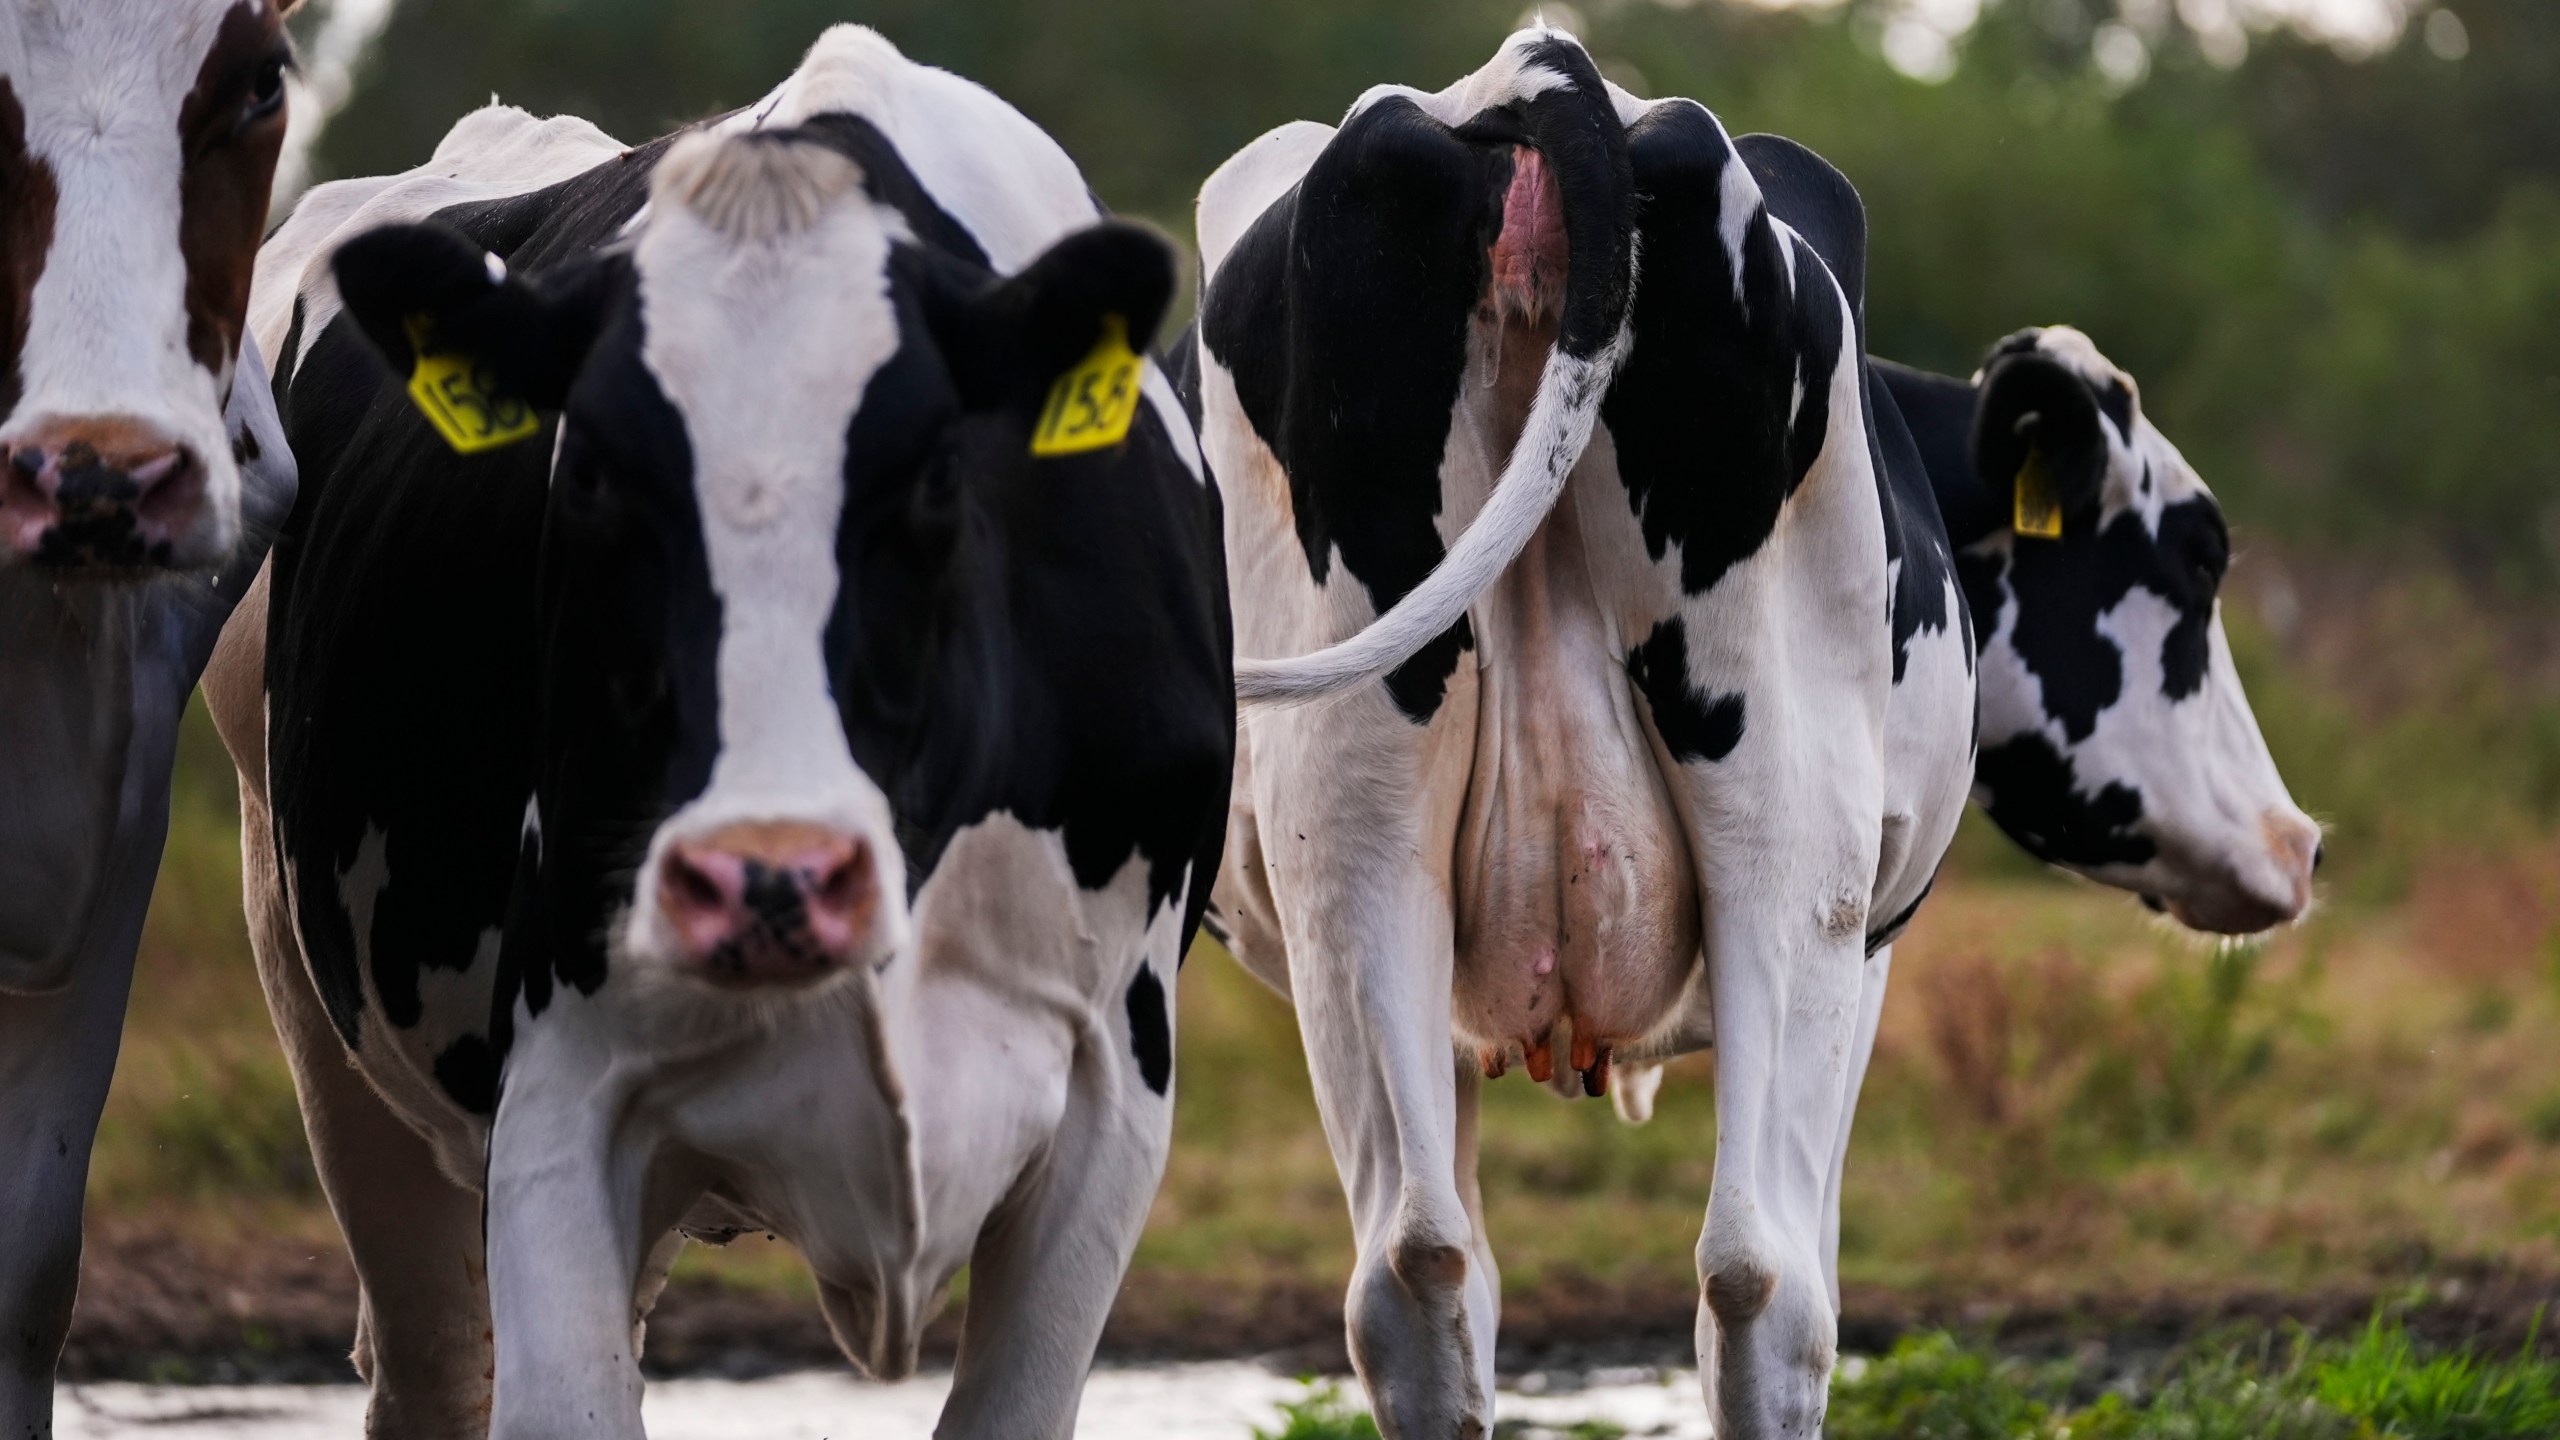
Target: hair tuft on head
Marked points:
753	186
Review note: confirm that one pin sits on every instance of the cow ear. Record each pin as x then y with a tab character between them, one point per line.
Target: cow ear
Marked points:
2032	406
1014	339
414	287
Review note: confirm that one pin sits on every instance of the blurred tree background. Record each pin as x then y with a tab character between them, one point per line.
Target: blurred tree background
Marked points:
2332	260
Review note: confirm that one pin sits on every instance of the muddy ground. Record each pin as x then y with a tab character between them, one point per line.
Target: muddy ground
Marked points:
158	1305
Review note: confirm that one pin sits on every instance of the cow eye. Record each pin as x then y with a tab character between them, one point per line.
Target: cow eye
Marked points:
266	92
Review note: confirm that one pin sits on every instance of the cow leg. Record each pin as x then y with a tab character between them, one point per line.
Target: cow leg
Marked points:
1484	1287
422	1322
1048	1265
1862	1049
57	1052
569	1245
1371	973
1786	962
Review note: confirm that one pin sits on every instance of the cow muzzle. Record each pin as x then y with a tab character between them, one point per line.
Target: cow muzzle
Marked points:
771	903
104	497
2261	890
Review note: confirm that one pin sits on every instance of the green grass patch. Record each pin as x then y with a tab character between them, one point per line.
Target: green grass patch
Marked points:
2383	1380
1323	1413
2377	1386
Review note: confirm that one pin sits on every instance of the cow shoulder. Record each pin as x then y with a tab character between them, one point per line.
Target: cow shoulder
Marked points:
497	152
402	661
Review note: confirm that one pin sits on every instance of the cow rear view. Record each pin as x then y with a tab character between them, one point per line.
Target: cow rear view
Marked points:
776	793
1619	787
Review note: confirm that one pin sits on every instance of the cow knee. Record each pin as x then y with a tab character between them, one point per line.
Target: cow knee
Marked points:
1768	1336
1428	1264
1411	1338
1738	1288
1739	1265
1748	1282
1416	1355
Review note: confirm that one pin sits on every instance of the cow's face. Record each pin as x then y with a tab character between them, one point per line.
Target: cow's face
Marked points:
2115	737
778	411
137	141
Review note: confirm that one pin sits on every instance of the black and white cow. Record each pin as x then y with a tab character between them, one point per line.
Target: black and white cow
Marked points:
2124	749
138	139
1717	718
772	798
2116	740
1662	724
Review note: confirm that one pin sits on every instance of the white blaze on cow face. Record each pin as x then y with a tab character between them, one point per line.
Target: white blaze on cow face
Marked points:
764	290
2232	852
137	142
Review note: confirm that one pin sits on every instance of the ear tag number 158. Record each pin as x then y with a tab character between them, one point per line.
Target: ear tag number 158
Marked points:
1092	404
463	402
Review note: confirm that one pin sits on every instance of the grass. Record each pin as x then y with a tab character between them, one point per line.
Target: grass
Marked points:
2376	1385
1323	1413
2384	1381
2068	1099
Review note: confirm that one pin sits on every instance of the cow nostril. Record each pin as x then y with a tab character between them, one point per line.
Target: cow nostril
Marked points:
845	883
2319	853
691	887
28	461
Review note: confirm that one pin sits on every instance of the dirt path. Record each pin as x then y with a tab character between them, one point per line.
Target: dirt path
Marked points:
157	1306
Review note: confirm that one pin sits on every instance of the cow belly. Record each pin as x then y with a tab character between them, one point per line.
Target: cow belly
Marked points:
1576	900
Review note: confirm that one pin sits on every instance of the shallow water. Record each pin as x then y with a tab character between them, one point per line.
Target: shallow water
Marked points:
1223	1401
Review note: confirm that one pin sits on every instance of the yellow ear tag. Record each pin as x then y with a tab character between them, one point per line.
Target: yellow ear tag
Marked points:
2038	512
1092	404
461	401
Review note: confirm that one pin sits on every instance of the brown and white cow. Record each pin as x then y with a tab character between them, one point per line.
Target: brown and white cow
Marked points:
138	487
137	140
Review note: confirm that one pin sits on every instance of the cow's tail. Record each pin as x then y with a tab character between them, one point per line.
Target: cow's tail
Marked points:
1575	129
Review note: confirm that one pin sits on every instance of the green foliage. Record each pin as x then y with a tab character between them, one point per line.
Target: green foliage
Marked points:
2201	1034
1322	1413
2376	1387
1932	1388
2338	282
2383	1380
2218	1392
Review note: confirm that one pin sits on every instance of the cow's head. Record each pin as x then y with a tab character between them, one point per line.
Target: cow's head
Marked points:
137	142
2115	737
779	414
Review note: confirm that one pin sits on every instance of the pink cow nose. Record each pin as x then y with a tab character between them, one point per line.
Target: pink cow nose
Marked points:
768	903
99	494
